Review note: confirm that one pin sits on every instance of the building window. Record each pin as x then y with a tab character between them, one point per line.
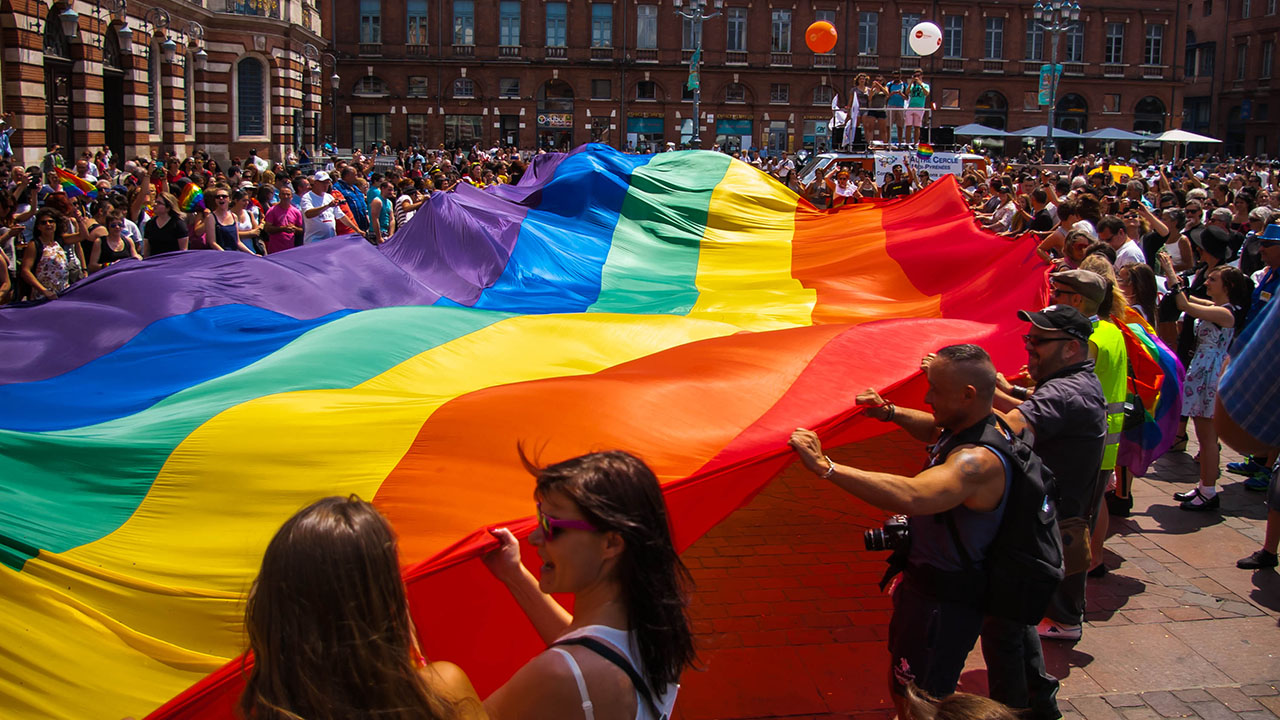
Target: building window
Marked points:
1207	60
1075	42
509	88
371	21
416	22
646	90
826	16
868	33
1114	52
1268	58
1246	8
464	88
950	99
647	27
1271	7
601	25
690	35
464	22
1030	100
251	96
557	12
417	129
737	28
781	31
1153	50
779	93
367	130
909	20
370	86
601	90
993	39
509	23
462	130
417	86
823	94
1111	103
1242	59
735	93
1035	42
952	36
1208	8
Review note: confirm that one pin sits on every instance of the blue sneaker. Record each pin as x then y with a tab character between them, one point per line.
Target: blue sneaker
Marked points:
1248	467
1258	481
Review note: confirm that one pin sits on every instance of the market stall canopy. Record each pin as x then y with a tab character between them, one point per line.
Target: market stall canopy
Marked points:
1182	136
976	130
1113	134
1040	131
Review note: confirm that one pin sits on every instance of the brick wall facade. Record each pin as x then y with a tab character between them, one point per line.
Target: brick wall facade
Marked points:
1230	63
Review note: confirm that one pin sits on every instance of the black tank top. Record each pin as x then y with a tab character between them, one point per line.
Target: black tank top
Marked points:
107	255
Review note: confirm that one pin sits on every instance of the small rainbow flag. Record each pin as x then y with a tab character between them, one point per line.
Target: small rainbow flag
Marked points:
924	151
192	197
76	186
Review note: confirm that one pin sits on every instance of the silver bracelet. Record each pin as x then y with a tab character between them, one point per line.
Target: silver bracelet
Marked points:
831	468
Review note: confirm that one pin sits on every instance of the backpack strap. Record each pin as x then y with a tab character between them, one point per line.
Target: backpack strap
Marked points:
613	656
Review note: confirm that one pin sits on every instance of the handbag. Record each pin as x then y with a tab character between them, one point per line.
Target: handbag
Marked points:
1076	554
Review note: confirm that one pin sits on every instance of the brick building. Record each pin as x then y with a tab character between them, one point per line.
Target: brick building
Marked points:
225	75
1230	60
554	73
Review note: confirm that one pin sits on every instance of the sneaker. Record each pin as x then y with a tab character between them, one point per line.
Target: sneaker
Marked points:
1248	467
1258	560
1118	506
1198	503
1050	630
1258	481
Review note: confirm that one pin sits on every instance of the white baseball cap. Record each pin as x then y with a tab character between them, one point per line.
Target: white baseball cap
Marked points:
321	176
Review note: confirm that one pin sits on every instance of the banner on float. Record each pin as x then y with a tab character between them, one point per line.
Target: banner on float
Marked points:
941	163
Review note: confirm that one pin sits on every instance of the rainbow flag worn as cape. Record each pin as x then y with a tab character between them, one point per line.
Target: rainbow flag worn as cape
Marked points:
160	420
75	186
1156	381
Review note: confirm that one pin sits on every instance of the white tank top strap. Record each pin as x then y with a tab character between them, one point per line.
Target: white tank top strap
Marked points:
587	709
623	642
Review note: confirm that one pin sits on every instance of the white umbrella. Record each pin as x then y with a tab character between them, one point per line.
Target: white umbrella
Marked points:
976	130
1113	134
1182	136
1042	131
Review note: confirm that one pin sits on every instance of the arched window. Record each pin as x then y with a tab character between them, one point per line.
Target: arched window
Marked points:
1148	115
991	109
111	50
1072	113
55	41
735	93
251	94
370	85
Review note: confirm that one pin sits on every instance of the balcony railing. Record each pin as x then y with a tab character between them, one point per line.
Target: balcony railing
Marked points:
868	61
556	53
257	8
993	66
780	59
686	56
735	57
1153	72
1113	70
909	62
952	64
601	53
1075	69
647	55
1031	67
370	48
464	50
415	50
508	51
825	60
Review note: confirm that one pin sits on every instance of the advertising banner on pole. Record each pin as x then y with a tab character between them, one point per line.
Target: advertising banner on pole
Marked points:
1046	83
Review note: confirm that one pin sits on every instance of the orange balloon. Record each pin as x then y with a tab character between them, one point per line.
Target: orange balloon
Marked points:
820	37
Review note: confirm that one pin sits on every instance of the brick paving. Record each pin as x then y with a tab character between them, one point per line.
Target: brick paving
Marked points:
790	622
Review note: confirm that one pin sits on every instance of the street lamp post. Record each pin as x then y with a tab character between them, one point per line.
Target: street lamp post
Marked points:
1054	17
330	60
695	14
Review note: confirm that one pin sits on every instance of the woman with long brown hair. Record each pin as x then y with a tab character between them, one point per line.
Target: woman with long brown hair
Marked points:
328	623
604	536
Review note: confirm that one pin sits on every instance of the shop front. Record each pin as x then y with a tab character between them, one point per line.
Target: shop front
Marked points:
733	134
645	134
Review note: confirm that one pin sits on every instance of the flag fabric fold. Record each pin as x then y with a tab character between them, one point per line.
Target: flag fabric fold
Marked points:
163	418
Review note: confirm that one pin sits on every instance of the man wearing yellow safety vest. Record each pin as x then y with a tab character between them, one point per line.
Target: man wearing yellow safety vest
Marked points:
1085	291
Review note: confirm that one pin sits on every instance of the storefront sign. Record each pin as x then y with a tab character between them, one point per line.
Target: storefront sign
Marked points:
555	120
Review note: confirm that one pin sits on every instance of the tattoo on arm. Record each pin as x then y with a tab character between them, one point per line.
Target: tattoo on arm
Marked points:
969	466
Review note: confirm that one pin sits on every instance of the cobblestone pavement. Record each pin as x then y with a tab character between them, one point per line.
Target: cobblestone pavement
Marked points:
791	624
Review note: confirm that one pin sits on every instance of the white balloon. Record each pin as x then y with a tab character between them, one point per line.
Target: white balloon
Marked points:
925	38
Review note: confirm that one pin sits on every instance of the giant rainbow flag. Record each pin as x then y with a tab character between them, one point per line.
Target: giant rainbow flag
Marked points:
160	420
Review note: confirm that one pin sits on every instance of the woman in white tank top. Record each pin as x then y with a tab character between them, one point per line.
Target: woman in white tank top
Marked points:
602	535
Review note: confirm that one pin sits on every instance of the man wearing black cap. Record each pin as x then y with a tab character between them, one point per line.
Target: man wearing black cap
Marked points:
1067	414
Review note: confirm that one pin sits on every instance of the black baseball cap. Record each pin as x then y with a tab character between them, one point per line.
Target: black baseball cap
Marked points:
1060	317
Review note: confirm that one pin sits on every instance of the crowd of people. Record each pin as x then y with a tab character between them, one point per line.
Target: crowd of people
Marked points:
1188	248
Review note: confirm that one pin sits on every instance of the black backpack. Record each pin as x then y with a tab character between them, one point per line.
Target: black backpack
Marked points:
1023	565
